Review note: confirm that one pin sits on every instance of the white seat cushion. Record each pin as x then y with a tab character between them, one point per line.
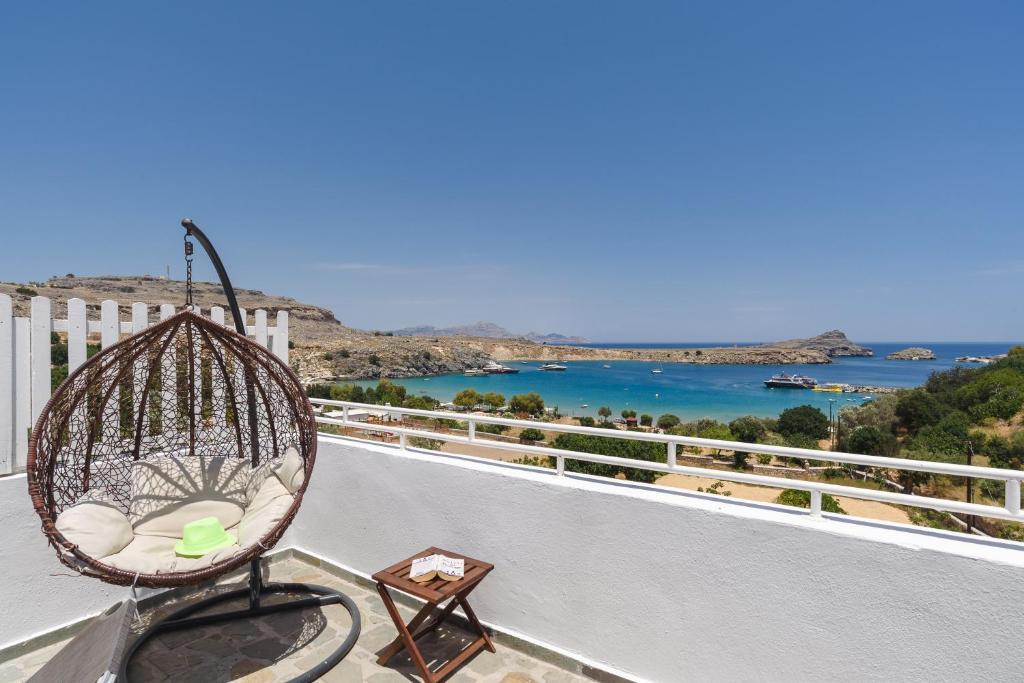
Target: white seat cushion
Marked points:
267	508
97	527
155	555
168	492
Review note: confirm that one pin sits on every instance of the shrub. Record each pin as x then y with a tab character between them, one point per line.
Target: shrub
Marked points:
585	421
764	459
26	291
748	429
803	420
291	343
802	499
530	403
467	398
374	359
917	409
715	489
622	448
492	429
530	435
646	420
667	421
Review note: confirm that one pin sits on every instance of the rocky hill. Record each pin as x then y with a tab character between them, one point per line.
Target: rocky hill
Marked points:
912	353
484	329
832	343
327	350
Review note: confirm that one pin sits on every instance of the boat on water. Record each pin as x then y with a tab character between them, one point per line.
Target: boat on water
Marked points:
657	371
553	366
784	381
493	368
606	366
474	372
831	387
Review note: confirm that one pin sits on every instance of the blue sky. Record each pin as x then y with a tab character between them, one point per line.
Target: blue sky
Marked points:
623	171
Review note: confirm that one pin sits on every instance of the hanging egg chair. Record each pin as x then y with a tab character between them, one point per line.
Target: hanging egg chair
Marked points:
185	422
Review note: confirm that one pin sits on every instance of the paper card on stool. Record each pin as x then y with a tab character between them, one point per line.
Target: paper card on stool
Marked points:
427	568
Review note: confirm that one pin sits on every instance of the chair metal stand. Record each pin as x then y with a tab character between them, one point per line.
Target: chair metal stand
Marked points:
182	618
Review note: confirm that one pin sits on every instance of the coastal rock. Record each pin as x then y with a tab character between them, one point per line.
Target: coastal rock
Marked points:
912	353
832	343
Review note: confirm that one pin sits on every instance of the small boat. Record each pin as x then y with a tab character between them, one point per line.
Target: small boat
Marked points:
585	405
523	362
474	372
657	371
832	388
606	366
784	381
552	366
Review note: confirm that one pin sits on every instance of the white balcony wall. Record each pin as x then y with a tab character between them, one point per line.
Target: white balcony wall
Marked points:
670	585
659	585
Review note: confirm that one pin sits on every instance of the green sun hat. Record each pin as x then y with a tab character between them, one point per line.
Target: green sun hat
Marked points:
203	536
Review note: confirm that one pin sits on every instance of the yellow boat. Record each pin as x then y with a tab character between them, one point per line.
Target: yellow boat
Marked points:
833	388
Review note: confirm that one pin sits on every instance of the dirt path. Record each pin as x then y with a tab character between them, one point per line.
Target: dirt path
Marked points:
767	494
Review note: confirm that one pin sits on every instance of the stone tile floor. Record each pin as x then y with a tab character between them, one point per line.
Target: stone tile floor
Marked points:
279	647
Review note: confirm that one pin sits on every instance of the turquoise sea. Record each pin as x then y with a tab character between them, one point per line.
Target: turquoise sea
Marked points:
692	391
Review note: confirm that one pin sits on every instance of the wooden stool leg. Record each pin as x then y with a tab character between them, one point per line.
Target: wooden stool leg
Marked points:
475	622
405	635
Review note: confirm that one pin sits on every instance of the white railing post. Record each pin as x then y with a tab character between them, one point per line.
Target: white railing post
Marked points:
560	465
22	390
6	385
816	503
472	429
217	315
42	326
1013	496
261	327
402	441
78	331
344	413
281	337
110	324
670	455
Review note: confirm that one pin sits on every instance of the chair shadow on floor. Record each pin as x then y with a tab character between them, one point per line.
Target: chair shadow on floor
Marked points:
230	650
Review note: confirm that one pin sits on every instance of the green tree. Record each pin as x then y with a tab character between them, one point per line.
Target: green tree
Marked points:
467	398
531	435
646	420
627	413
531	404
605	412
748	429
493	399
803	420
917	409
667	421
870	440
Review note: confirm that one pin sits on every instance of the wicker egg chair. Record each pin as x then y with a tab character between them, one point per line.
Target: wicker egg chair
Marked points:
190	392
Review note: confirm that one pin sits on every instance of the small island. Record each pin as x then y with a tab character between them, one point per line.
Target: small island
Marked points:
912	353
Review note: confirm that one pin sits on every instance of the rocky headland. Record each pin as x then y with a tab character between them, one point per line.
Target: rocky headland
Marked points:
326	350
833	343
912	353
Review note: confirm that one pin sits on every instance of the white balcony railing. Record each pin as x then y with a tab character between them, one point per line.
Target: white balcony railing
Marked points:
1012	478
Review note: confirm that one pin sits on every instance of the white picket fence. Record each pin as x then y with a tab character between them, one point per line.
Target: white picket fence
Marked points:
25	371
